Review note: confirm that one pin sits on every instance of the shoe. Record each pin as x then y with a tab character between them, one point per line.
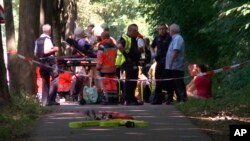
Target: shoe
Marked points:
52	103
82	102
133	103
169	103
156	103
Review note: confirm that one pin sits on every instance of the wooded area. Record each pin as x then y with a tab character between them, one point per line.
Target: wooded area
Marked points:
216	33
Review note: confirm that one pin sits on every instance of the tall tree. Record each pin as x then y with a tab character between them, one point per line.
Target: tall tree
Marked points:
4	91
69	17
68	23
11	45
28	31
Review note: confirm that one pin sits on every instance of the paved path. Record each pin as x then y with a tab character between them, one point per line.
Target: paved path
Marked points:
166	123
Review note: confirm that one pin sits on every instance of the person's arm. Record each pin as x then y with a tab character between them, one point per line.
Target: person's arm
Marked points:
177	43
175	54
99	58
191	87
153	46
49	48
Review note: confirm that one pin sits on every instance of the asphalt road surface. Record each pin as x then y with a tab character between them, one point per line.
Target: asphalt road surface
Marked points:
166	123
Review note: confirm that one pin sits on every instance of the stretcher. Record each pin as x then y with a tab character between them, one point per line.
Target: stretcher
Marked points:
65	77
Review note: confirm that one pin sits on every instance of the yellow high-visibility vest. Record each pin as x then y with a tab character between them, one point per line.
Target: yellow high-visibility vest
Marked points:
120	58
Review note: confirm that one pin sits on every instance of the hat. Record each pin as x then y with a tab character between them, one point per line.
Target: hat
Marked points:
78	31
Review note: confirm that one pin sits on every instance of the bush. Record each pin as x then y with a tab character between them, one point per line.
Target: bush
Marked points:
17	119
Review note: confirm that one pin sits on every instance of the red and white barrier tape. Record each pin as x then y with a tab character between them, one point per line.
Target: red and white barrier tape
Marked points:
226	68
29	59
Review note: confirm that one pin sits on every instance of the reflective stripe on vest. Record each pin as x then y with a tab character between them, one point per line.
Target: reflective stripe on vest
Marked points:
120	59
128	42
108	64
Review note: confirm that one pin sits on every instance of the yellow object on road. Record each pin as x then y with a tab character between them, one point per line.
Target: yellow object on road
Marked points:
109	123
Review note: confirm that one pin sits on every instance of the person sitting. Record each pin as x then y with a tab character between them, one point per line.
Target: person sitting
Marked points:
201	85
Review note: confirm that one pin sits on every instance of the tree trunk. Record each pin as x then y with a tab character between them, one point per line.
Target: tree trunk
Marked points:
68	23
28	32
11	46
4	91
70	17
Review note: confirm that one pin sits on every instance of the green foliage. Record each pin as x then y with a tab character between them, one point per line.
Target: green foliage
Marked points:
114	13
194	18
216	33
236	104
18	119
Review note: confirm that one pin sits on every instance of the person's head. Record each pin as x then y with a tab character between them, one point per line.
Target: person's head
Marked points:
79	32
202	68
162	29
90	29
105	27
105	35
193	69
46	29
147	41
174	29
132	30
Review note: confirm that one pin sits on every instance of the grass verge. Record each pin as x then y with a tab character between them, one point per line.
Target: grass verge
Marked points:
214	116
18	119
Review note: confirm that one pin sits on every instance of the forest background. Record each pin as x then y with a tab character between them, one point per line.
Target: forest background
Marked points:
216	33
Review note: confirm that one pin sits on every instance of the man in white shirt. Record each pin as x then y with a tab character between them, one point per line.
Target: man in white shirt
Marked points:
49	89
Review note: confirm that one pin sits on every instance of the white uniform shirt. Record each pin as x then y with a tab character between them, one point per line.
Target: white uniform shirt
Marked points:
47	43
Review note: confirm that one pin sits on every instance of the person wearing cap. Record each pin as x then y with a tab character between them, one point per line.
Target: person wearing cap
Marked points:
47	57
160	44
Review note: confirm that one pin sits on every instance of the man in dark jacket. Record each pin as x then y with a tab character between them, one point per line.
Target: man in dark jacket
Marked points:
161	43
128	46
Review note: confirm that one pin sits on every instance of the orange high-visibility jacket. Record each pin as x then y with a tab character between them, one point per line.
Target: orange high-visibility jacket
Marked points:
106	56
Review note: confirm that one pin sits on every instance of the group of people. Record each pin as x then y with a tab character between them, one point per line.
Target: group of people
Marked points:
124	55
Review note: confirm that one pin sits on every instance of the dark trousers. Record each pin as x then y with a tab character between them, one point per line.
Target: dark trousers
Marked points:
159	74
49	88
130	86
176	85
77	87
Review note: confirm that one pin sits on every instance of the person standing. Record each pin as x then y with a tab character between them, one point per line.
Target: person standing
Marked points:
175	64
160	43
45	52
129	48
106	56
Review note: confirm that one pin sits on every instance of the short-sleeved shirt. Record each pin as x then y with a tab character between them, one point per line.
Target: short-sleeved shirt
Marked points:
162	44
47	43
177	43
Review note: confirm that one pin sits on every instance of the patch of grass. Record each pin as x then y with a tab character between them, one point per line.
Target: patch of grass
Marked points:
17	120
214	116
